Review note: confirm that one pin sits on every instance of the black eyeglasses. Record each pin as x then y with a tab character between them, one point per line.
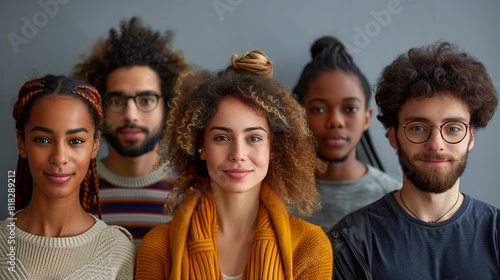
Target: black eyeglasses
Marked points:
146	101
452	132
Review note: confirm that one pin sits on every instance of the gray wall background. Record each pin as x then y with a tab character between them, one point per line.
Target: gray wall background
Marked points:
51	34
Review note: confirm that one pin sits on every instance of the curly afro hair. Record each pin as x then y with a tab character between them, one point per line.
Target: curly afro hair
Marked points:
423	72
136	45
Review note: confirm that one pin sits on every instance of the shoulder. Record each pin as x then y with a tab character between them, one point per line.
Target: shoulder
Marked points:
159	233
383	179
352	245
153	256
312	251
483	209
156	241
357	225
118	237
308	235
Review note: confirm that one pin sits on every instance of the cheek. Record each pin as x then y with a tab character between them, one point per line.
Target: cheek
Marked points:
213	159
264	157
316	123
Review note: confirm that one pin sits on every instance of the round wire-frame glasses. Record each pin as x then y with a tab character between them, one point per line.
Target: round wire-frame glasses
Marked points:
418	132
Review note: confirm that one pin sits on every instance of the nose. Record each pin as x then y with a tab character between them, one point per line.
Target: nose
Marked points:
130	113
335	119
59	155
435	141
238	151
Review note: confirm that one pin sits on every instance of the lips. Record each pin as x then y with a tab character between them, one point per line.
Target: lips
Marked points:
58	178
434	159
335	139
237	173
131	134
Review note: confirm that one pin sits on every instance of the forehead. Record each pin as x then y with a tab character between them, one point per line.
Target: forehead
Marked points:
129	80
334	86
59	112
232	112
443	106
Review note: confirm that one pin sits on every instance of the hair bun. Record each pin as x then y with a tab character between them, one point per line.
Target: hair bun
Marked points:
254	62
326	42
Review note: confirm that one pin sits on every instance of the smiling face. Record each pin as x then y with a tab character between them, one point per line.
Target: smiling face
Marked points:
435	165
335	104
59	144
133	132
236	147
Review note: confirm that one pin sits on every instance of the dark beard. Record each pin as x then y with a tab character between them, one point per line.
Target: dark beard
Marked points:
431	182
149	144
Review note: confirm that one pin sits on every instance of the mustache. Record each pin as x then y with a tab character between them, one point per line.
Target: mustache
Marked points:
430	156
132	126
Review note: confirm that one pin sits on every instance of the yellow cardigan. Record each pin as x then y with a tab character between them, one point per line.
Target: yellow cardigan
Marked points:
283	246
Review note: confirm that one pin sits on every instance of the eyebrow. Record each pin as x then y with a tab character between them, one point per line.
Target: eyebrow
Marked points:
462	119
147	91
230	130
48	130
326	100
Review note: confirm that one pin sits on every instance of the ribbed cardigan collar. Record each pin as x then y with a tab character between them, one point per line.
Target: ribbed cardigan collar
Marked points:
194	228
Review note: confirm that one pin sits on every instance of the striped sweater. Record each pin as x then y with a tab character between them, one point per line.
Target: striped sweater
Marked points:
135	203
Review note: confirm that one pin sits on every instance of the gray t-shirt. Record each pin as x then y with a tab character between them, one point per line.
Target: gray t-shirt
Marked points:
339	198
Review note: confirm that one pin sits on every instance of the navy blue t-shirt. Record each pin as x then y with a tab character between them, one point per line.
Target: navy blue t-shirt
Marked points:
467	246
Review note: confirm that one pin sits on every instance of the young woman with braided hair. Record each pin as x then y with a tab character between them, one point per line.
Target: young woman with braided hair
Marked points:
245	158
336	96
57	122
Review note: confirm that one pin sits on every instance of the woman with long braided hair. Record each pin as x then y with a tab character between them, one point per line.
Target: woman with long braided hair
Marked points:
57	122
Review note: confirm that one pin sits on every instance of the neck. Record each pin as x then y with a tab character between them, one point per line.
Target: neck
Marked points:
429	207
131	166
54	218
237	215
348	170
237	212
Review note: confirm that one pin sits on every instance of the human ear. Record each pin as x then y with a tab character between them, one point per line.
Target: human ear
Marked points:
471	138
95	147
201	151
392	137
20	145
368	117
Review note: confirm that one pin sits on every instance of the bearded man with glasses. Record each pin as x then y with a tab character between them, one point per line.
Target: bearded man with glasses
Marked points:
431	101
134	72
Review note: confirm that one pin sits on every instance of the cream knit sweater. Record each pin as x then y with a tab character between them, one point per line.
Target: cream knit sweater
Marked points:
102	252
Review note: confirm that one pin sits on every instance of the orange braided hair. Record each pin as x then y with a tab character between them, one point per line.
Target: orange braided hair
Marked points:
29	92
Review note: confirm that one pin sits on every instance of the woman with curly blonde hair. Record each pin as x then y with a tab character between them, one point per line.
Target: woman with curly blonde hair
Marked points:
245	158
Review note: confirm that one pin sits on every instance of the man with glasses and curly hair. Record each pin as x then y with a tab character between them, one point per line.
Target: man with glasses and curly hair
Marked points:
431	100
134	72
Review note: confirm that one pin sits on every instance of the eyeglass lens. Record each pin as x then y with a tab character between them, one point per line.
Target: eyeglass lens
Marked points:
452	132
144	102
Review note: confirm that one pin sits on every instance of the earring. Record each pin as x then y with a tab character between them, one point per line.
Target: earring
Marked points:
200	150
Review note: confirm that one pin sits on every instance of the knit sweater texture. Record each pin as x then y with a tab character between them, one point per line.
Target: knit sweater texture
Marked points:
101	252
135	203
283	246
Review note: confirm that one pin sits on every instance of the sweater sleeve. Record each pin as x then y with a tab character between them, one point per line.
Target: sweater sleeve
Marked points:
312	253
124	253
153	257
